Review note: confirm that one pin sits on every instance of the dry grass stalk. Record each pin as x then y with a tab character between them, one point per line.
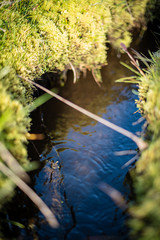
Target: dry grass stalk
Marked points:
31	194
12	163
140	143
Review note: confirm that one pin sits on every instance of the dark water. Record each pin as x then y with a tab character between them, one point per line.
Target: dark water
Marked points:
80	156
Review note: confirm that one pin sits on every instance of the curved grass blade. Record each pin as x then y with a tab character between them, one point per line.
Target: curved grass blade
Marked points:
130	68
41	100
131	79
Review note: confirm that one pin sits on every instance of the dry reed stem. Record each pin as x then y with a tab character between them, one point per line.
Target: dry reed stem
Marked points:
32	195
114	194
140	143
130	161
12	163
133	61
74	72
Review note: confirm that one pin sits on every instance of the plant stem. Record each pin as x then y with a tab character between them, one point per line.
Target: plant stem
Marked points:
140	143
12	163
32	195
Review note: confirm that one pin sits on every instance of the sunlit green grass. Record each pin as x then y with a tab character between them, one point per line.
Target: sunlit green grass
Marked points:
145	210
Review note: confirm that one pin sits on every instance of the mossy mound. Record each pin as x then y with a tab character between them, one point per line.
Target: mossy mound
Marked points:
40	36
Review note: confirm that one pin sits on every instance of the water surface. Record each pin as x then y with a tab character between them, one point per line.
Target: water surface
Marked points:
80	156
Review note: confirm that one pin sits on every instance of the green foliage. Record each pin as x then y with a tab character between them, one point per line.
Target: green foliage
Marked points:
41	100
14	122
13	117
145	210
42	35
149	92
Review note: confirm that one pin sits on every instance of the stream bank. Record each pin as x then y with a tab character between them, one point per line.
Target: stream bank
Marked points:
9	90
145	209
42	36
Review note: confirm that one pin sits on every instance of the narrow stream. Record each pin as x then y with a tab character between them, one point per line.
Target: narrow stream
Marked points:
80	156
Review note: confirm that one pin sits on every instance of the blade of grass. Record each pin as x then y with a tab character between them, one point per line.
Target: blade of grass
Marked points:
74	72
130	68
40	100
133	61
144	59
126	79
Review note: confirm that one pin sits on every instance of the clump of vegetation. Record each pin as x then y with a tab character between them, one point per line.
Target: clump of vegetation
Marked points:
14	122
145	210
40	36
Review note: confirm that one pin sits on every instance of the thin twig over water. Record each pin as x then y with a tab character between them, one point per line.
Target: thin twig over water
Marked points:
140	143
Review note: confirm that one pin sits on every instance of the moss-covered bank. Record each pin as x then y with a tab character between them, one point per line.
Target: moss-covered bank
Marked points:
14	122
145	210
40	36
47	35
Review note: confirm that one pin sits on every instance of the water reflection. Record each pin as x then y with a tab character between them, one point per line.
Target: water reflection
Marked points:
80	155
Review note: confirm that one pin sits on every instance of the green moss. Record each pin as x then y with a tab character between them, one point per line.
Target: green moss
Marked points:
14	121
46	35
